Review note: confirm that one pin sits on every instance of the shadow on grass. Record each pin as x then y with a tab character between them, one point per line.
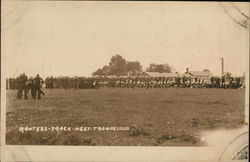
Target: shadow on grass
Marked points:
135	132
188	139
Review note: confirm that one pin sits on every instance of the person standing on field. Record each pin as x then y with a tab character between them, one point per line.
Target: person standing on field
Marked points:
22	79
38	81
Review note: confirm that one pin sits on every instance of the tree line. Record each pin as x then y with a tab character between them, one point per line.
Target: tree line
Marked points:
118	66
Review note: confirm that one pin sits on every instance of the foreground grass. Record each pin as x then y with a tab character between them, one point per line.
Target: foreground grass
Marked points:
156	117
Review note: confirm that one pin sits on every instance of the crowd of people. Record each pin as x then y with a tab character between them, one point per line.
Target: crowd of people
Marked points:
143	82
24	84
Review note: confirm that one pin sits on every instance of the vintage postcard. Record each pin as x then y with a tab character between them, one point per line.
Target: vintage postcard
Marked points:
124	81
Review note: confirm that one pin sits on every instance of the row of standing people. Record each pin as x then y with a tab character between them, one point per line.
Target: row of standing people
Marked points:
130	82
140	82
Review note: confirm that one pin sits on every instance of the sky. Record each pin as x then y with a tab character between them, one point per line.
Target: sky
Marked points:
63	38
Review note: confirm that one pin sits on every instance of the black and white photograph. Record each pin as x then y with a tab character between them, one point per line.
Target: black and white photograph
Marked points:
125	74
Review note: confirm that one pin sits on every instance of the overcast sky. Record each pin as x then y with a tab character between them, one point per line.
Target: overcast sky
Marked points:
76	38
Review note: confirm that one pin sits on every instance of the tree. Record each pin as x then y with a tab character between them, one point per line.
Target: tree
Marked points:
134	67
98	72
117	60
117	65
120	67
102	71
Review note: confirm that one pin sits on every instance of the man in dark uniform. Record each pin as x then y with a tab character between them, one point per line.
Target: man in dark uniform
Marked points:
37	81
22	79
30	87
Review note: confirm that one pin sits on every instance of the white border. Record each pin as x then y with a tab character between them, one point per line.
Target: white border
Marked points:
105	153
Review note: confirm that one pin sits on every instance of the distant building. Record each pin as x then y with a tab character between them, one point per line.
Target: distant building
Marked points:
198	74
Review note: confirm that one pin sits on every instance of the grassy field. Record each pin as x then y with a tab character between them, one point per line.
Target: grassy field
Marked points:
156	117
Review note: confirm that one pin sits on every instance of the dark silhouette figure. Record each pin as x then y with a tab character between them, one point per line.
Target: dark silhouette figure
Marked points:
22	79
37	83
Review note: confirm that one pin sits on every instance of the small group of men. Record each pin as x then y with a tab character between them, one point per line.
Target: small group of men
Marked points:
25	85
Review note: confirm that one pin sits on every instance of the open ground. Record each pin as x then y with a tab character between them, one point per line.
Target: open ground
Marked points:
156	117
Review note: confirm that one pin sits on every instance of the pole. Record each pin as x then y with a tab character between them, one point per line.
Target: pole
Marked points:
222	66
43	66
